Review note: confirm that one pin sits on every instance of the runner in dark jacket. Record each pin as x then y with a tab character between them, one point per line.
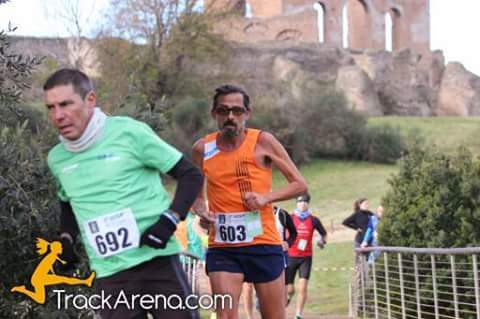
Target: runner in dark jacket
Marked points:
359	219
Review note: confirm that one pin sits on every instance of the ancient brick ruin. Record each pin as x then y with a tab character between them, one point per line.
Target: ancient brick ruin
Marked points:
367	27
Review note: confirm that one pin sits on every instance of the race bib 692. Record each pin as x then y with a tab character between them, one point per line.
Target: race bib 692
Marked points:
112	234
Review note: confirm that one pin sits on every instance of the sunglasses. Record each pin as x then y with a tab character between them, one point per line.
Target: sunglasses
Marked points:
236	111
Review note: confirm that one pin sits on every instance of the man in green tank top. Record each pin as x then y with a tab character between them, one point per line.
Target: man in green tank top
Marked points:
112	197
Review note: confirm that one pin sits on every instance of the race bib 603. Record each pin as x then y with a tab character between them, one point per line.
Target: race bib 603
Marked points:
234	228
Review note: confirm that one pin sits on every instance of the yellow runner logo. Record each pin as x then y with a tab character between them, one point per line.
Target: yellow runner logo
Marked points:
44	275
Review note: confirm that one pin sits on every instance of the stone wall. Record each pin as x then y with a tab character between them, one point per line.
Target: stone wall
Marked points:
366	22
375	82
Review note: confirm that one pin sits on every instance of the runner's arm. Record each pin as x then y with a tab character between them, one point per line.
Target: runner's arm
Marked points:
269	146
351	221
68	223
68	233
317	225
154	153
189	183
292	231
200	205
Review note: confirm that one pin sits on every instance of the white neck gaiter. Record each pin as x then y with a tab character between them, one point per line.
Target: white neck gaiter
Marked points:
90	135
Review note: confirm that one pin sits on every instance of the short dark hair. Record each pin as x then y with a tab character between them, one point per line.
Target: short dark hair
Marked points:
229	89
304	198
79	80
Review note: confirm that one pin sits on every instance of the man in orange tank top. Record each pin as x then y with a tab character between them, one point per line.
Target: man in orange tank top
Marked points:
244	244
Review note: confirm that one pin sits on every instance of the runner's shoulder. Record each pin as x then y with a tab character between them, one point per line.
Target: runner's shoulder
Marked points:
126	121
199	145
54	151
54	154
282	211
267	141
266	137
130	130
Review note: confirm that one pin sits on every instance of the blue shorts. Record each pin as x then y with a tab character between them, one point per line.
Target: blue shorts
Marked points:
258	263
285	258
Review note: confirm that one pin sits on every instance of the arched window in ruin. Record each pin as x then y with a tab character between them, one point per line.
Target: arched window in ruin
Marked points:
248	10
388	32
356	25
320	8
239	7
392	29
345	26
289	35
256	28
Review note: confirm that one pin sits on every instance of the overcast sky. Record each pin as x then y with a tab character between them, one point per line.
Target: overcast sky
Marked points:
452	24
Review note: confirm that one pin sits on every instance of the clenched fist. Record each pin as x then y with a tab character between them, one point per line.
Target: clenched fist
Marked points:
255	201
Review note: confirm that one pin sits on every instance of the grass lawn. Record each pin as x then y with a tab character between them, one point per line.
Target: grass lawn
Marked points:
335	185
329	289
445	132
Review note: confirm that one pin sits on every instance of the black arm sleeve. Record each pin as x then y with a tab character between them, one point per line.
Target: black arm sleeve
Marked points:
68	223
351	221
189	183
292	231
317	224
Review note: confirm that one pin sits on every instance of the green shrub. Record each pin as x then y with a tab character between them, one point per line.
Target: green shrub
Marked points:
15	70
190	121
328	124
21	113
316	126
434	201
322	125
280	122
28	206
378	144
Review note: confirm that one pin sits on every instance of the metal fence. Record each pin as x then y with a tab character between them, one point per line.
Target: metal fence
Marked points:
416	283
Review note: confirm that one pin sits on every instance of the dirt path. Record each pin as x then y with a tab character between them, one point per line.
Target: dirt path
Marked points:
291	315
290	310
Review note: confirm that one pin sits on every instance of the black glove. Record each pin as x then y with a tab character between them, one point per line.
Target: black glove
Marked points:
158	234
321	244
68	255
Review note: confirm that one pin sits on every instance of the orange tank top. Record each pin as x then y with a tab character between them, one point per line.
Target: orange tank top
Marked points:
229	176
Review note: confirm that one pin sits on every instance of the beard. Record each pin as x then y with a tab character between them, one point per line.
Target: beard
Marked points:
229	129
229	132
